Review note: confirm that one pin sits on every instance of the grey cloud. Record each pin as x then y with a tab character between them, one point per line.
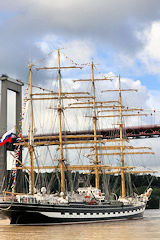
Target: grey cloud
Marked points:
109	23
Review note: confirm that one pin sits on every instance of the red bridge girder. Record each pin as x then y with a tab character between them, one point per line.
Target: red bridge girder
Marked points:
134	132
148	131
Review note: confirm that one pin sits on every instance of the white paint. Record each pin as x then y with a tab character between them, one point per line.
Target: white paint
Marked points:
88	215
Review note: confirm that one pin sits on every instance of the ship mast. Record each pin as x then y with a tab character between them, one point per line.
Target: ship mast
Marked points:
30	145
95	130
60	127
69	139
121	140
94	117
60	97
121	109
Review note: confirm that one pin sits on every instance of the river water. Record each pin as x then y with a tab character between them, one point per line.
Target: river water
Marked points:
146	228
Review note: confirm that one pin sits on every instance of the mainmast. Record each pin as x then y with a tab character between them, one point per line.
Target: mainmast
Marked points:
121	140
30	145
94	117
95	130
60	126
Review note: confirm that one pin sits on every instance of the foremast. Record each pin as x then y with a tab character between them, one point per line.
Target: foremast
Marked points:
122	147
30	144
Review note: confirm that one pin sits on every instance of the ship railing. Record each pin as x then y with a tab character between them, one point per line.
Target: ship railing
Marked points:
13	198
27	199
8	198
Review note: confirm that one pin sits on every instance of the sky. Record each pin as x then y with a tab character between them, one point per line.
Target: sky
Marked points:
122	37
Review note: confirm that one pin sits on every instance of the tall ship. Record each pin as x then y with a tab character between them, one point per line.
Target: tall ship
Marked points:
82	150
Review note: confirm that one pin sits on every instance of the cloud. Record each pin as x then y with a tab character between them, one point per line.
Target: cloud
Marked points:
107	24
150	54
79	50
146	60
154	100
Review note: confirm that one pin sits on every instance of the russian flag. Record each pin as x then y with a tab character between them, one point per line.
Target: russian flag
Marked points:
7	137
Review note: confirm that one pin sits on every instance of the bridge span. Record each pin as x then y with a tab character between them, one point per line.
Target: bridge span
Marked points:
134	132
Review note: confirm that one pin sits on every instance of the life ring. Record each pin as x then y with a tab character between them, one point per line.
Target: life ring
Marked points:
92	202
87	196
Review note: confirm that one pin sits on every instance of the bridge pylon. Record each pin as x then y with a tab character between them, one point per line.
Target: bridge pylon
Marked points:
8	83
